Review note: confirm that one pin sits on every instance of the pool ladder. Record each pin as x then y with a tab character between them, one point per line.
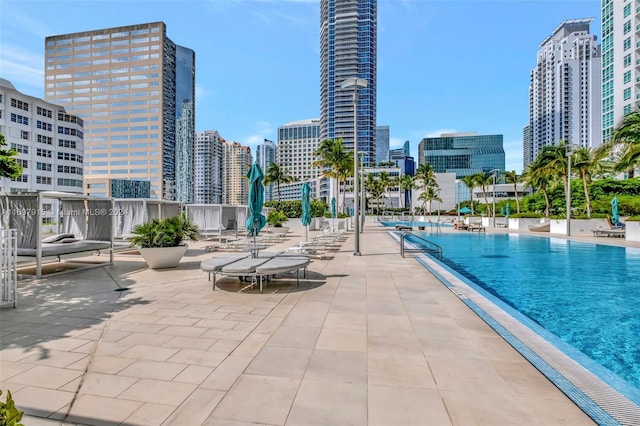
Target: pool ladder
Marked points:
426	246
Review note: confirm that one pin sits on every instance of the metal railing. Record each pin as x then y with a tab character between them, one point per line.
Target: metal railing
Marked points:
423	246
8	271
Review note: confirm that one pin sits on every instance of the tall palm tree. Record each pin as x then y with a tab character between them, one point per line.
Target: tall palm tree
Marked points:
538	177
430	195
332	158
470	183
426	176
406	183
276	174
514	178
385	183
483	180
626	135
584	161
556	164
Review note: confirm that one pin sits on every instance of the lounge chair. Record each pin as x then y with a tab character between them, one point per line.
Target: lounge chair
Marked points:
543	227
617	225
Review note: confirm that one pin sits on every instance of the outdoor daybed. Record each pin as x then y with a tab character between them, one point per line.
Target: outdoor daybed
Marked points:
86	224
255	268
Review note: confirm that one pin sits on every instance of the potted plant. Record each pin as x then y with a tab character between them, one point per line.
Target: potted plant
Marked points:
161	241
276	218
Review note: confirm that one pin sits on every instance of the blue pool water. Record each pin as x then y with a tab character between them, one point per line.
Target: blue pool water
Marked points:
588	295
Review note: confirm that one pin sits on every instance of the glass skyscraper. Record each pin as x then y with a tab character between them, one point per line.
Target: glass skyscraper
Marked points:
185	123
129	84
462	153
382	144
348	48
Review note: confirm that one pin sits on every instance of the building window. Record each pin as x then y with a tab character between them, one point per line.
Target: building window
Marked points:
627	77
44	139
43	166
627	93
20	119
43	180
24	135
627	27
627	60
42	125
627	44
43	153
627	10
43	112
22	149
19	104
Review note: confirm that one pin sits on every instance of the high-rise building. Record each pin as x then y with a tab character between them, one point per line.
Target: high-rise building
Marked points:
348	49
265	156
564	95
118	188
297	143
49	142
620	59
185	123
235	164
526	144
382	144
208	155
130	84
462	153
403	159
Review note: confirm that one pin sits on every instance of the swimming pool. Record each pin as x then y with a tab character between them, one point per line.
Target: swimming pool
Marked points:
587	295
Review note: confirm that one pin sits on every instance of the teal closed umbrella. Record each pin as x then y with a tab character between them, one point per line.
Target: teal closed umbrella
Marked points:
306	209
255	221
333	207
508	210
615	216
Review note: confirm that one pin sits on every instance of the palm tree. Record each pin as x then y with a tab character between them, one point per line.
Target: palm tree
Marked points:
626	136
385	183
537	176
470	183
276	174
426	176
9	166
514	178
406	183
430	195
585	162
556	163
483	180
332	157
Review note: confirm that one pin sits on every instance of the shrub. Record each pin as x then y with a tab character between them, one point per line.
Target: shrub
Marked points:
9	414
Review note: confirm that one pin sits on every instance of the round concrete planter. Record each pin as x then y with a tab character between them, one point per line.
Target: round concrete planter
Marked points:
163	257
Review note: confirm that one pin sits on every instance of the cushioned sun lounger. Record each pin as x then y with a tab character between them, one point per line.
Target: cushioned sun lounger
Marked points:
280	265
215	264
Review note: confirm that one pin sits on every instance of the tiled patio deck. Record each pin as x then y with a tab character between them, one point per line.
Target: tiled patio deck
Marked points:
371	340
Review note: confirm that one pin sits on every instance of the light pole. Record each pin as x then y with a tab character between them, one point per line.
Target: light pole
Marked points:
355	83
495	172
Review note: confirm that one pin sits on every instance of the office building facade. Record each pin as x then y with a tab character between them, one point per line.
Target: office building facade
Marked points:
382	144
235	165
208	173
265	156
297	143
526	144
462	153
185	123
564	94
348	49
620	62
124	83
118	188
49	142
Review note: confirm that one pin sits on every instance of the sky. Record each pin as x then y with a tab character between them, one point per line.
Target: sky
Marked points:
443	65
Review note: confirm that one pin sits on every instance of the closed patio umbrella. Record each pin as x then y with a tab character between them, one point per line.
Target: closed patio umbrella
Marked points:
508	210
615	216
255	221
333	207
306	209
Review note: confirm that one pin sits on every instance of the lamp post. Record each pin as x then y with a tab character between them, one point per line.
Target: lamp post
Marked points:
355	83
495	172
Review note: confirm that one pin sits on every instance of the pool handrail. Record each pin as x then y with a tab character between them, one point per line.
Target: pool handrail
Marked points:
428	247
